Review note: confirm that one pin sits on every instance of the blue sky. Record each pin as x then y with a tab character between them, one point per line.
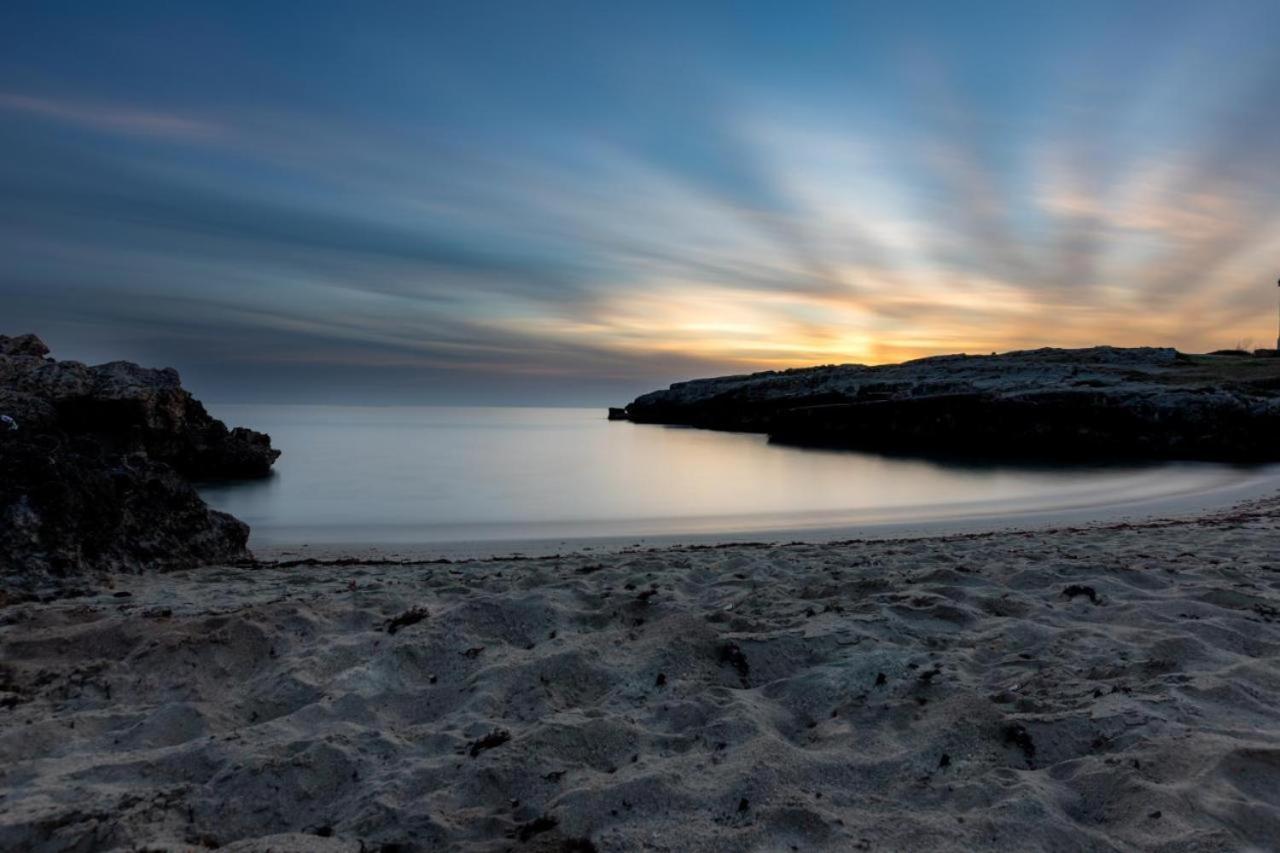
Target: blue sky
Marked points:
555	202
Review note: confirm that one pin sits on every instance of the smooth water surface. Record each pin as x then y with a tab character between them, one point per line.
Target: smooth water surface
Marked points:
427	474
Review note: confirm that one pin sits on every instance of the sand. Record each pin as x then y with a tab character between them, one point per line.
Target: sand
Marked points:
1109	688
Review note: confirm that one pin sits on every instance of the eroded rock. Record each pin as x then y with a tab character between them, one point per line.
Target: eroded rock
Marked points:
1143	402
95	476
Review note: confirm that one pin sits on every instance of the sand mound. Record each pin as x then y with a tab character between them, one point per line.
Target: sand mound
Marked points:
1105	689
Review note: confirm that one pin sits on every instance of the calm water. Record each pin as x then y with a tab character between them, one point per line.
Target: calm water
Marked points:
428	475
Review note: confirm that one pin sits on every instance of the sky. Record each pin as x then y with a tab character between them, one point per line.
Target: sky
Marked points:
573	203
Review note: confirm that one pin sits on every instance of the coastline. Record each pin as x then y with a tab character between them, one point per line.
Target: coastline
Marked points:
402	544
1099	687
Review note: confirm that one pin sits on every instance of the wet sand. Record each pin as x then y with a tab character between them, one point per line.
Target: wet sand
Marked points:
1111	687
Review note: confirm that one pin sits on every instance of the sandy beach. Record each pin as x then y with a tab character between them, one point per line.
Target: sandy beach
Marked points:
632	426
1104	688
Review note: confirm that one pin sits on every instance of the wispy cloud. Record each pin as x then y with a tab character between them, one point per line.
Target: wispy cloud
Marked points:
112	118
549	208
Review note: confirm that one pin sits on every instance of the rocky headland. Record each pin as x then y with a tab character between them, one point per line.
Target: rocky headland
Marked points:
96	466
1143	402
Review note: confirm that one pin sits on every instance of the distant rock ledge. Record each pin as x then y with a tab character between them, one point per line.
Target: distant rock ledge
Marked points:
95	469
1096	403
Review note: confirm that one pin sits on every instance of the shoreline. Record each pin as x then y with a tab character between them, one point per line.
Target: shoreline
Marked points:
1100	687
1195	504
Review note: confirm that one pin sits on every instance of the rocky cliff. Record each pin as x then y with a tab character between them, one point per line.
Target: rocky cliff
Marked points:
1102	402
95	464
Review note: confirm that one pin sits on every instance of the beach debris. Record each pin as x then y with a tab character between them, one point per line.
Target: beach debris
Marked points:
731	654
945	761
644	597
881	679
661	680
1017	735
497	737
473	652
743	805
537	826
412	616
9	422
1078	589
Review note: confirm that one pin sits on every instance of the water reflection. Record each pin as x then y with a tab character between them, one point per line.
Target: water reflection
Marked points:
425	474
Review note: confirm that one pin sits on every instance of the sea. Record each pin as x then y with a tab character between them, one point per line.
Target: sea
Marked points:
547	477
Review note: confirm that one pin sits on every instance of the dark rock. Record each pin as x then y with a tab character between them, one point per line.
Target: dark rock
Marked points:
23	345
126	408
94	476
1102	402
616	414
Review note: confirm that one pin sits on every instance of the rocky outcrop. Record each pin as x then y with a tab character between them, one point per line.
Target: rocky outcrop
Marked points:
96	463
1103	402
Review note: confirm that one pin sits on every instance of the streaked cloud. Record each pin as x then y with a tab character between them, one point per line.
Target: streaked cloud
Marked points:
111	118
483	202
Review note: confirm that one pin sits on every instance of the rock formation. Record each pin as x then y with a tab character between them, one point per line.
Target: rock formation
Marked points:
95	464
1103	402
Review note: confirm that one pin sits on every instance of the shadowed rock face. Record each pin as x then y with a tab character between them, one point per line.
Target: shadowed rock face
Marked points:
95	462
1089	403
